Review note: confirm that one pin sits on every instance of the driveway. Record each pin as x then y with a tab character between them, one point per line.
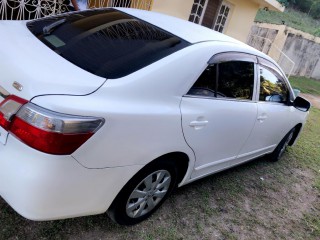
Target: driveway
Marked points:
315	100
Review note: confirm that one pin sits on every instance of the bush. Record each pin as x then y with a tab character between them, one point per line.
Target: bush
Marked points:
317	32
285	2
315	11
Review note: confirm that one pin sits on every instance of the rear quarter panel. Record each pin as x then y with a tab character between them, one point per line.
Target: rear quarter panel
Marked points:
141	111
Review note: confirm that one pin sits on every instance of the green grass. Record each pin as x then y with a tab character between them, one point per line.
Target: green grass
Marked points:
308	150
306	85
291	18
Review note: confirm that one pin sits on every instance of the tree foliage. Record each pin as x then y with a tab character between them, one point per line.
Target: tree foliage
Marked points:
312	7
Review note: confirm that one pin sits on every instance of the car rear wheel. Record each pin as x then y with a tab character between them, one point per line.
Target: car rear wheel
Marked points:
282	146
144	193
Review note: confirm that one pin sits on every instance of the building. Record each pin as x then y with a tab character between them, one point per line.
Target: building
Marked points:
231	17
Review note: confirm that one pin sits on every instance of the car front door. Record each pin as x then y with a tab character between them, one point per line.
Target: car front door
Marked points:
219	112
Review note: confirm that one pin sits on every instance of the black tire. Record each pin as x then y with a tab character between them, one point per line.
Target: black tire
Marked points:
282	146
120	210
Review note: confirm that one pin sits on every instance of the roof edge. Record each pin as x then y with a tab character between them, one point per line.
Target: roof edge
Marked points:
271	4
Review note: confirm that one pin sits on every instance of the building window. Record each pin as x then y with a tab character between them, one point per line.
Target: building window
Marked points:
222	17
198	10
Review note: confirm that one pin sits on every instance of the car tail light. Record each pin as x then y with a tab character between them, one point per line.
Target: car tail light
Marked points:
8	108
48	131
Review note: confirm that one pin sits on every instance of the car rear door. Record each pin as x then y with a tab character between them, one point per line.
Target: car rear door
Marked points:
219	111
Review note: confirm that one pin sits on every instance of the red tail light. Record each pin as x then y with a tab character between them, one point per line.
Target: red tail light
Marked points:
45	130
8	108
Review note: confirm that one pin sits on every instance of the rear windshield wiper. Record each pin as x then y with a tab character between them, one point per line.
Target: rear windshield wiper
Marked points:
48	29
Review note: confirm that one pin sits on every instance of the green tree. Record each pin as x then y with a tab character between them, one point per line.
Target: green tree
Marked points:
311	7
315	9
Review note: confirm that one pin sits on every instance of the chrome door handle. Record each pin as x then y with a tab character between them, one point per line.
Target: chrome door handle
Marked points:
262	118
198	123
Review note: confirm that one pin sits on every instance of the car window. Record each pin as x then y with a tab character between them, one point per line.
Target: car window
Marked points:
233	79
272	87
106	42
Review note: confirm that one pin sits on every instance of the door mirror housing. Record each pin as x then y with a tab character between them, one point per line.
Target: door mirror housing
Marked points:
302	104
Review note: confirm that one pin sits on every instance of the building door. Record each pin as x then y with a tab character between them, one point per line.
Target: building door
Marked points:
213	14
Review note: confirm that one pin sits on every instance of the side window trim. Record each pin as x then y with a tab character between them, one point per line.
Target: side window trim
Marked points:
266	63
275	72
232	56
229	57
256	90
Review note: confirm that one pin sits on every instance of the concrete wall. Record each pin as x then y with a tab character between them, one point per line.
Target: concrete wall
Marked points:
305	53
176	8
302	48
257	38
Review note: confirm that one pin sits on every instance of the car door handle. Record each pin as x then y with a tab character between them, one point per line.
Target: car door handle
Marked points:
198	124
262	118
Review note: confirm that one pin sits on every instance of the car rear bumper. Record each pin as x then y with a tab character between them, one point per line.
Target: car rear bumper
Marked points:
46	187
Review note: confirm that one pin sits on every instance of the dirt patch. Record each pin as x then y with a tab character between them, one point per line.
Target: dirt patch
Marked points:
315	100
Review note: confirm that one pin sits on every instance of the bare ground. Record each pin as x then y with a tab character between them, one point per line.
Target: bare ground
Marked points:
315	100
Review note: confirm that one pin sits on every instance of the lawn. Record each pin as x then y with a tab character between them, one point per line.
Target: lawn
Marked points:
291	18
306	85
258	200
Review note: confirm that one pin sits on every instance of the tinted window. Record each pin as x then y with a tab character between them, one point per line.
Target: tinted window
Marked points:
206	84
106	42
234	80
272	87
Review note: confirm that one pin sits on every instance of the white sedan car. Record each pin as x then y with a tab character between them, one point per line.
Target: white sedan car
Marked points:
109	110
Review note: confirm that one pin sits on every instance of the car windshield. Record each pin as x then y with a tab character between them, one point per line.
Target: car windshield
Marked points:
106	42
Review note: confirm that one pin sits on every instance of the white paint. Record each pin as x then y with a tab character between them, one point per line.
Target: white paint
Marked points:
146	117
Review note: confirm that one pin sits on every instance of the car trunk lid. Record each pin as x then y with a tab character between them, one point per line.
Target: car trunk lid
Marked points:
29	68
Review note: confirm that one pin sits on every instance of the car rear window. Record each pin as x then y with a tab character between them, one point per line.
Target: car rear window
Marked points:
106	42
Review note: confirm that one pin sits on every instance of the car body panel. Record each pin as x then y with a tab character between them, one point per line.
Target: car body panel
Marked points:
36	68
146	116
41	186
228	125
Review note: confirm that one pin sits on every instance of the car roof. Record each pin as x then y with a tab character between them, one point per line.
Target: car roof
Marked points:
189	31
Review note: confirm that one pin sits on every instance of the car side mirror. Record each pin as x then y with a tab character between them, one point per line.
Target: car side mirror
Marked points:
296	92
302	104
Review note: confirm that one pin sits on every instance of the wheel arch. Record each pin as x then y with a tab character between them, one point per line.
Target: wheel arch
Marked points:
180	159
297	131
